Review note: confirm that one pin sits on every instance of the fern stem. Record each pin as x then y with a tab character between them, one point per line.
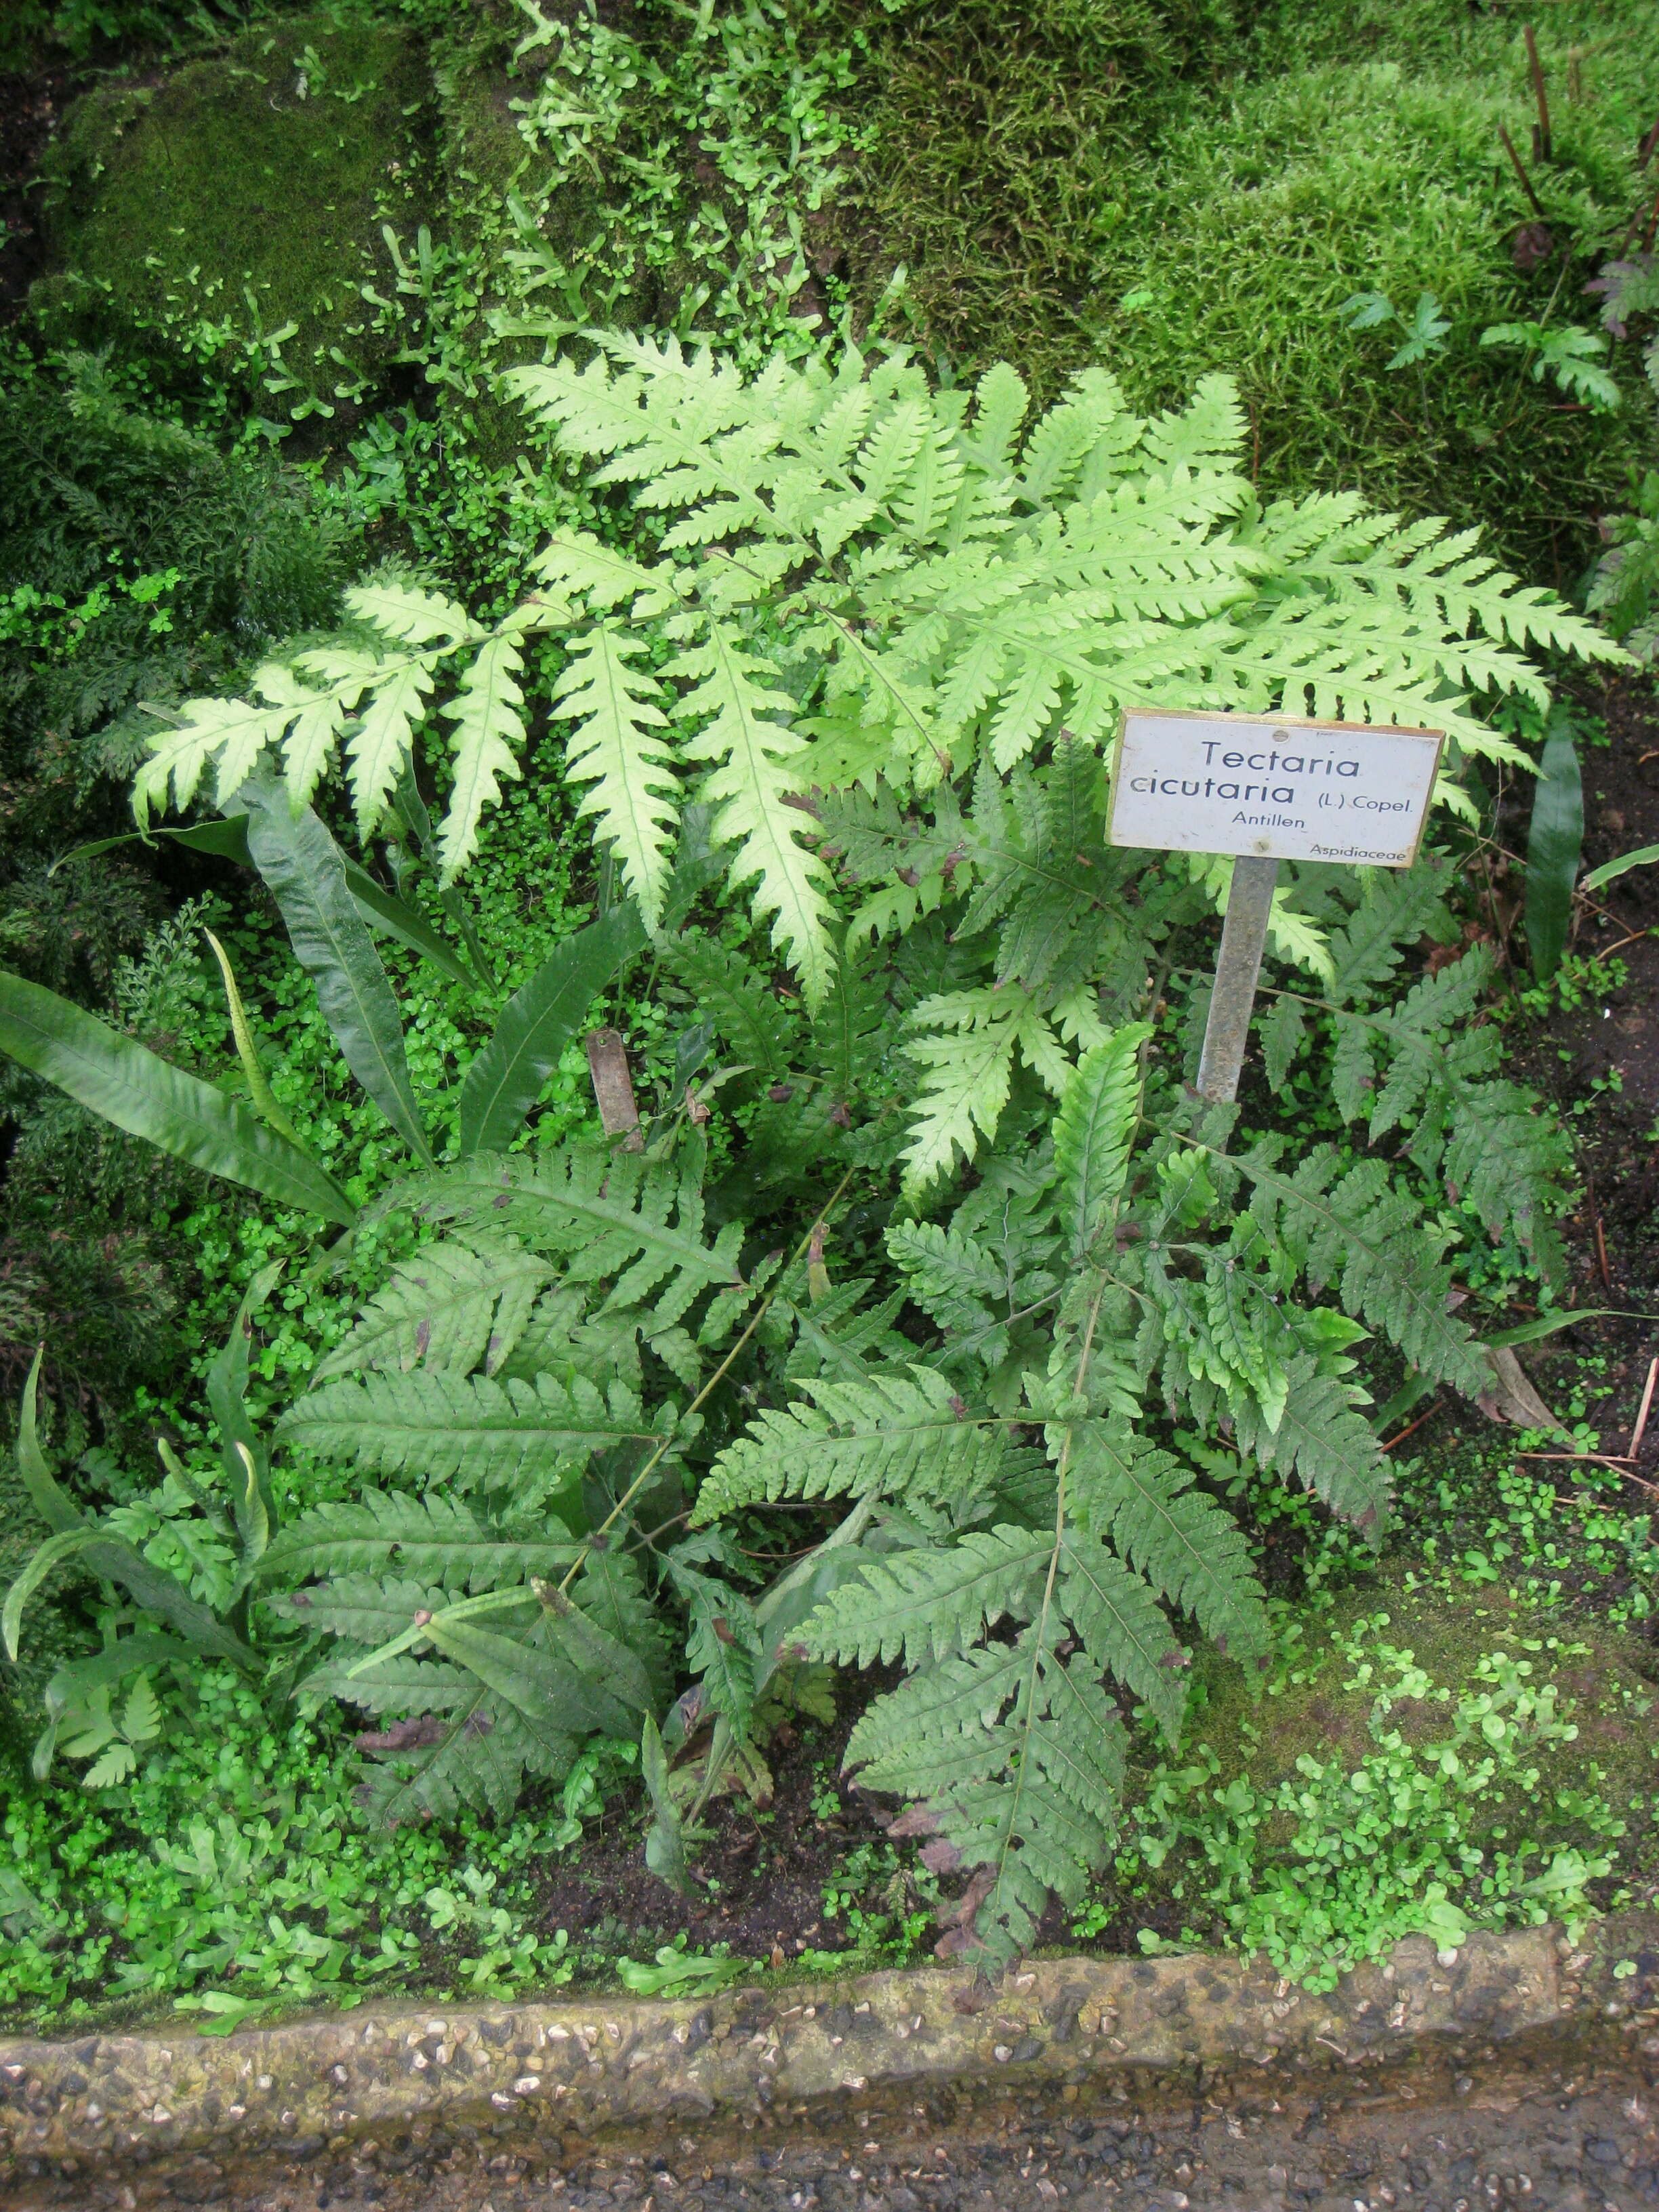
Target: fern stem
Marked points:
752	1324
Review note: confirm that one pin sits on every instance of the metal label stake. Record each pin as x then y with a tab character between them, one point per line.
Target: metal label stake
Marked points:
1232	998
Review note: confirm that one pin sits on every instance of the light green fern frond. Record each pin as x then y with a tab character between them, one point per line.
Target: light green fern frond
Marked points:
754	770
1094	1130
614	749
489	737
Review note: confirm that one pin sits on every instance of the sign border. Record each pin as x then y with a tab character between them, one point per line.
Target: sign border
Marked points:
1276	722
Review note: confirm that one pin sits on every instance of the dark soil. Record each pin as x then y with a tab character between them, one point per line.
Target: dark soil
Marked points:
760	1875
31	108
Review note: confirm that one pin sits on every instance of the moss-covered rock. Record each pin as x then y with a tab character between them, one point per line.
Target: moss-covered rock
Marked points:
1270	210
227	216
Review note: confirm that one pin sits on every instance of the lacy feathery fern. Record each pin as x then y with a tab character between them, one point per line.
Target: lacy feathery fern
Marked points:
864	577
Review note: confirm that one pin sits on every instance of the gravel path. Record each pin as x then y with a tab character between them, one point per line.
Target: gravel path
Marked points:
1533	2132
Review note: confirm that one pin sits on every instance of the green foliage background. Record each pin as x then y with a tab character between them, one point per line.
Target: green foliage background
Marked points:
1165	188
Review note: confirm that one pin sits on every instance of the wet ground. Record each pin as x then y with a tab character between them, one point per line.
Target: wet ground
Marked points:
1548	2130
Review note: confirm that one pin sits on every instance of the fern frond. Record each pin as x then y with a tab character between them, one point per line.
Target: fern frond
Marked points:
1353	1229
379	747
606	1215
968	1073
896	1434
950	1275
455	1304
407	613
1117	1615
437	1539
489	737
614	748
1094	1130
1139	1499
744	734
484	1758
475	1430
726	991
925	1606
1321	1439
235	733
314	732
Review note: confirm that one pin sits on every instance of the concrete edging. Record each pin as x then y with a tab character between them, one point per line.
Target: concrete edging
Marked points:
114	2099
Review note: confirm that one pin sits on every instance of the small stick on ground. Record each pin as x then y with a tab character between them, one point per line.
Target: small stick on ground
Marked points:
1413	1426
1543	146
1520	169
1601	1255
1602	1459
1640	1430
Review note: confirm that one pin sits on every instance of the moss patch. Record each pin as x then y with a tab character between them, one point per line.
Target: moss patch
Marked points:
241	196
1425	1758
1162	188
1266	213
1315	1705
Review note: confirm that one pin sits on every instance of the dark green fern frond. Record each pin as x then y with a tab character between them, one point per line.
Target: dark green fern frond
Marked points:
894	1433
475	1430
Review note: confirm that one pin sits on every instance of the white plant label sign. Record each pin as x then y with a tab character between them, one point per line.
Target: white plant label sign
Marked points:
1271	786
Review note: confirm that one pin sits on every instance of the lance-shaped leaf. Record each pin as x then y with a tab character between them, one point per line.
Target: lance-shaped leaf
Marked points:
551	1692
537	1022
1554	842
394	917
306	873
125	1083
75	1535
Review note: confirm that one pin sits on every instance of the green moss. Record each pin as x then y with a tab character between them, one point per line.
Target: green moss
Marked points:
1266	212
1000	139
1424	1756
243	196
1155	187
1315	1706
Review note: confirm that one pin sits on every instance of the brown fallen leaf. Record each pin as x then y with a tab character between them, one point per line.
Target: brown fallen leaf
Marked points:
1512	1397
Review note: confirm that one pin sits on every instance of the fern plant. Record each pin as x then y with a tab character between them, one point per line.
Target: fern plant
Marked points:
866	639
856	577
1128	1261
